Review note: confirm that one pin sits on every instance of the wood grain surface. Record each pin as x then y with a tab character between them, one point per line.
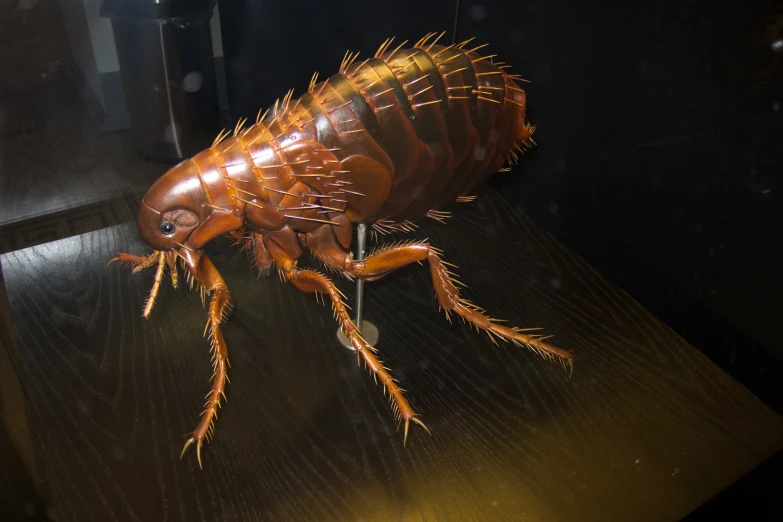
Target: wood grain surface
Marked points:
646	429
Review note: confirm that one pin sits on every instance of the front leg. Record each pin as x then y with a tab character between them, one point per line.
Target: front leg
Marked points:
206	275
161	259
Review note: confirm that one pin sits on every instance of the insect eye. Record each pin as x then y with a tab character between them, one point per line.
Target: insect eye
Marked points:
167	228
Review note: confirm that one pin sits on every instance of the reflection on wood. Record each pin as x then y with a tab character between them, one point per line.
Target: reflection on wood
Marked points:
71	222
646	429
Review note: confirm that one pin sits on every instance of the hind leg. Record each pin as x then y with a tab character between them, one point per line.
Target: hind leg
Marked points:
386	260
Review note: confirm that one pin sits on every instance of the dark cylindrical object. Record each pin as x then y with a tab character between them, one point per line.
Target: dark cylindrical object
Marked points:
165	54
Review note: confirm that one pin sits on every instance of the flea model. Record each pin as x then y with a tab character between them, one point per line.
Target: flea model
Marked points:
388	140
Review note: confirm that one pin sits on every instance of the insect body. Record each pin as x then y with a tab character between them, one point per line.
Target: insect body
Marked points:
385	141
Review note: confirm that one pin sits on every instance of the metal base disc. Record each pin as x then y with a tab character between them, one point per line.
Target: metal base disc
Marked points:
369	333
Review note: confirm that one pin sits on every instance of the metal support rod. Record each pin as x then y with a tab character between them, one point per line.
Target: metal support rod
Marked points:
366	328
361	240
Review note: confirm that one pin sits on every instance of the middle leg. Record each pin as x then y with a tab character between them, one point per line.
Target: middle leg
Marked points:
310	281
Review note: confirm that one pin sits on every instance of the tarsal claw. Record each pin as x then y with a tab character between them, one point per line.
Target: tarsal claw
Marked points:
198	450
407	424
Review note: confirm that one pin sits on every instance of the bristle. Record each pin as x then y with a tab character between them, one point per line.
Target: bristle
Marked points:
425	103
447	60
436	40
381	93
420	92
406	85
379	52
466	42
338	107
476	48
351	61
239	126
220	137
454	71
441	51
487	57
398	71
423	40
344	60
260	116
287	100
398	48
385	47
313	82
348	59
358	68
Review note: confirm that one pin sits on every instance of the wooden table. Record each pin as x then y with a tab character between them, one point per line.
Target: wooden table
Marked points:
646	429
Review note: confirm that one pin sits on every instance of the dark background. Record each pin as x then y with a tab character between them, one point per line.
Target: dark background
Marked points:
659	128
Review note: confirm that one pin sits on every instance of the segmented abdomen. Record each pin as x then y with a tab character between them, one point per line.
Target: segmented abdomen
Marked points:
399	134
465	113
